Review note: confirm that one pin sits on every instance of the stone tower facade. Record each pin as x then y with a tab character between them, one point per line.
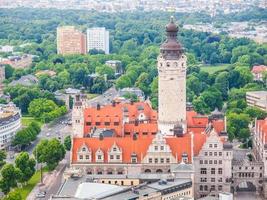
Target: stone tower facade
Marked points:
172	84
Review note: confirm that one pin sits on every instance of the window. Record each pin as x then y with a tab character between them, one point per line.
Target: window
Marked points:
212	188
116	123
156	160
87	157
205	187
203	170
220	187
210	162
156	148
162	160
83	149
161	148
220	162
114	149
220	153
215	153
134	160
201	187
212	180
215	162
107	123
99	157
206	153
210	153
206	162
215	145
97	123
201	162
167	160
111	157
81	157
220	171
212	171
203	180
150	160
118	157
220	180
210	145
88	123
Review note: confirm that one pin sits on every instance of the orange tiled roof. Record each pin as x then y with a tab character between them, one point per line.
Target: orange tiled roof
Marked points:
259	69
127	144
196	120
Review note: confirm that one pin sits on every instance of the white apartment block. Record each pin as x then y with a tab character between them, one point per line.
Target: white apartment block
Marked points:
98	38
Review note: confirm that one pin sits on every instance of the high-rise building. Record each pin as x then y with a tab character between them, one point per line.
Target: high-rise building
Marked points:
172	84
70	41
98	38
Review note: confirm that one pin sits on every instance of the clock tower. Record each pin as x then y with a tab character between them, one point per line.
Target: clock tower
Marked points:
172	84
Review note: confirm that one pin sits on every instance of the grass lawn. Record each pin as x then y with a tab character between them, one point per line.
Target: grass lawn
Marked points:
211	69
27	120
25	190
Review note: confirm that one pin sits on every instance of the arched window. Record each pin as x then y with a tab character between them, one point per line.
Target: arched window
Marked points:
159	171
147	171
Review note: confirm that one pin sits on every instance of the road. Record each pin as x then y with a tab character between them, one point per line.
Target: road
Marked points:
247	196
105	98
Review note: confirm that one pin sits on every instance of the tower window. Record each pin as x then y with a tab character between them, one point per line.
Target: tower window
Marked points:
168	64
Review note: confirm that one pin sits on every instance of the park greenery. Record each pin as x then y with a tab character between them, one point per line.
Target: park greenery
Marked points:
134	40
25	136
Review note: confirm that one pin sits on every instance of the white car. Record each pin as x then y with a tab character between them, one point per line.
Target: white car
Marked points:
41	195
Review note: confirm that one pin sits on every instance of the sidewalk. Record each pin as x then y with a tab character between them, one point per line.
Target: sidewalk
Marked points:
49	178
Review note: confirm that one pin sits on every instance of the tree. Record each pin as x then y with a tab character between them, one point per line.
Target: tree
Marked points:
105	70
123	82
8	71
254	112
49	152
9	177
13	195
26	166
222	84
2	157
67	143
131	96
237	125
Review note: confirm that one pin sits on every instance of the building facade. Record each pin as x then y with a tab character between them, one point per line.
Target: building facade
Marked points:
98	38
257	99
10	123
2	78
70	41
172	83
133	141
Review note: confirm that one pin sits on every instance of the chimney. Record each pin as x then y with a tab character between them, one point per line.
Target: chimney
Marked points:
132	102
113	103
98	106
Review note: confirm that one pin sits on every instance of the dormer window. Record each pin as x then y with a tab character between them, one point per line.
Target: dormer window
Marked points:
83	149
99	155
114	149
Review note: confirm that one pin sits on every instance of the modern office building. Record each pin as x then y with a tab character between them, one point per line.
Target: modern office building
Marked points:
70	41
98	38
10	123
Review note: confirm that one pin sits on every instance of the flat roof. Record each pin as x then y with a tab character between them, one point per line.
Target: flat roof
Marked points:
169	184
89	190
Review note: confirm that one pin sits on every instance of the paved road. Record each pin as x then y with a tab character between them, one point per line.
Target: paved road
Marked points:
105	98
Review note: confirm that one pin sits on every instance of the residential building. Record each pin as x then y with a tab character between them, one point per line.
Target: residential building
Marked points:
258	71
27	80
116	65
18	61
135	91
98	38
10	123
257	99
70	41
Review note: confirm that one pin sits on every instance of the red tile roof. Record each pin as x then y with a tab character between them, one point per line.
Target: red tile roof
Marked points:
259	69
261	125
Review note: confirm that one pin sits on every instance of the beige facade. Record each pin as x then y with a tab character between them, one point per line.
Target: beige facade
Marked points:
70	41
213	167
257	99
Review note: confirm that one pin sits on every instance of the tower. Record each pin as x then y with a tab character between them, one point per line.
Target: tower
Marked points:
171	83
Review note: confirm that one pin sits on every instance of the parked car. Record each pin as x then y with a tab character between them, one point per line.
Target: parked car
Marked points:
41	195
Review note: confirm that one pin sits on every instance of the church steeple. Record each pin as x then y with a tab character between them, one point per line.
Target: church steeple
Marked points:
171	48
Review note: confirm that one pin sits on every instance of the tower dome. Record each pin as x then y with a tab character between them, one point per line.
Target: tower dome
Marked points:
171	47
